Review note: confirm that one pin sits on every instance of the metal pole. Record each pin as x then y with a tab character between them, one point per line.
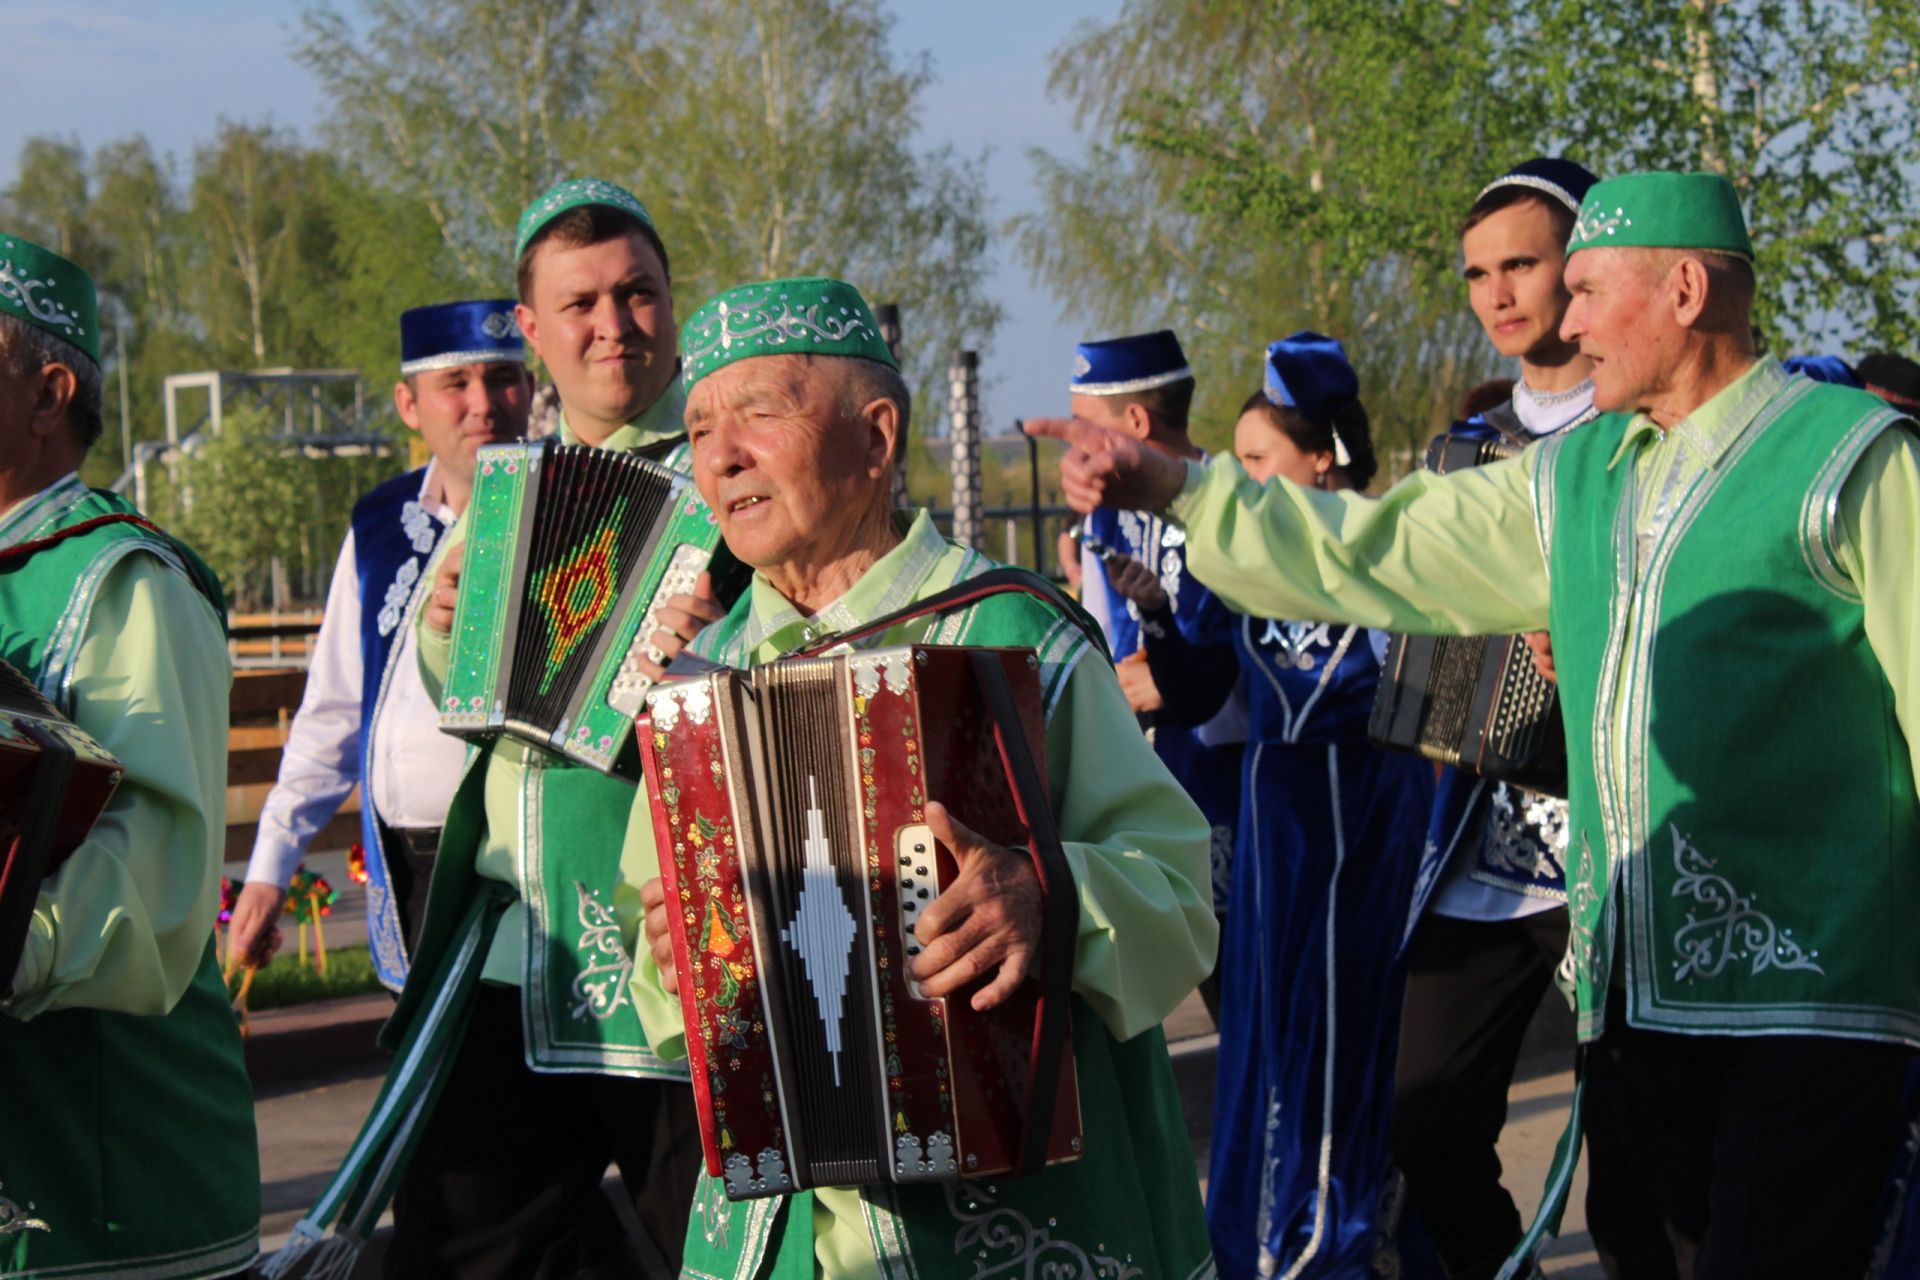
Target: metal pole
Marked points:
888	314
963	408
1033	494
126	427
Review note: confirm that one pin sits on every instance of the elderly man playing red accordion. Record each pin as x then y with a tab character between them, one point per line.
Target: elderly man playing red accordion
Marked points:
795	410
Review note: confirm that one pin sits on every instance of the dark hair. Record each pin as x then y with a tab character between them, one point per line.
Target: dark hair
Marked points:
1493	392
1168	405
1895	375
26	348
582	226
1508	196
1310	436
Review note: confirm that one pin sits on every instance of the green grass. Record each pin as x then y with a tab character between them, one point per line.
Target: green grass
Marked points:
286	982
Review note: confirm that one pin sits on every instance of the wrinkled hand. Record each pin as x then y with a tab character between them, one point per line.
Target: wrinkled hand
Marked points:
253	932
1107	468
1136	582
656	922
446	590
1542	646
681	618
986	922
1136	681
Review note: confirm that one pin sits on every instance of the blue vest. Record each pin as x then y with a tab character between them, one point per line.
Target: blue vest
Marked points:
393	538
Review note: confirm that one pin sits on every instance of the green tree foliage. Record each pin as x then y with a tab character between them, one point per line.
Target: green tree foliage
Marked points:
1304	165
765	136
268	517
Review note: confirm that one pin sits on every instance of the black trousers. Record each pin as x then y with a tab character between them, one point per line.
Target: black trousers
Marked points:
1767	1156
1472	989
506	1181
410	855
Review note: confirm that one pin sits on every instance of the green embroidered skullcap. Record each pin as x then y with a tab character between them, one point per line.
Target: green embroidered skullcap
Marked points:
1662	211
807	315
574	193
50	293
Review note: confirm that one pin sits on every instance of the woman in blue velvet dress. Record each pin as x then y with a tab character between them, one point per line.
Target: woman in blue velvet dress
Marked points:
1329	844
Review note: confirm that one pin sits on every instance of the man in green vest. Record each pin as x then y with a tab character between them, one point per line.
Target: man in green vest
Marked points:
1725	560
512	1093
126	1120
795	411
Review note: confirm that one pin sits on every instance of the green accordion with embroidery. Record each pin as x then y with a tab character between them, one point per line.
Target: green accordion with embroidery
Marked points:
1743	813
569	551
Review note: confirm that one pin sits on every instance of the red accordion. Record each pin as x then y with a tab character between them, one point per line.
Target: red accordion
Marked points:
790	807
54	782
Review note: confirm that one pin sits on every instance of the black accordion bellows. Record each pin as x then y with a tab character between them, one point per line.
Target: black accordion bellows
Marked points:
590	502
1475	702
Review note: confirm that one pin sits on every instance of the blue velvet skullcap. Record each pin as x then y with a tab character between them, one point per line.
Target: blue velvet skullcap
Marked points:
452	333
1560	180
1125	366
1309	371
1823	369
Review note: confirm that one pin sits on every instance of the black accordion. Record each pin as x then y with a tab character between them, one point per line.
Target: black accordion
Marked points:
55	781
1474	702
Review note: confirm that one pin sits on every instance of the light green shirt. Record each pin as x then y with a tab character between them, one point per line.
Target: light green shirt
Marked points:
499	854
123	925
1460	555
1137	844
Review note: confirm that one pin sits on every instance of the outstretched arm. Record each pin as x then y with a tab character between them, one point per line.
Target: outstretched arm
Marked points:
1454	554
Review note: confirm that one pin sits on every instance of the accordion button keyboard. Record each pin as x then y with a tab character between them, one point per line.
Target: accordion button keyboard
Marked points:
918	884
630	683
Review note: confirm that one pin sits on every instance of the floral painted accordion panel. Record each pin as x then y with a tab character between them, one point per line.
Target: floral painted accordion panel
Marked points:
790	806
570	550
1475	702
55	781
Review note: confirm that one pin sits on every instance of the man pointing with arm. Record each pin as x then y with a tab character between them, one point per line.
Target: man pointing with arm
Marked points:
1745	979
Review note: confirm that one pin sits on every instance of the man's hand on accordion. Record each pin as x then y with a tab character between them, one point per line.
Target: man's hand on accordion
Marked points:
446	590
986	922
1541	644
681	618
653	900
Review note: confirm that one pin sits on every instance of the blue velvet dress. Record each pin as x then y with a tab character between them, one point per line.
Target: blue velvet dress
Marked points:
1329	844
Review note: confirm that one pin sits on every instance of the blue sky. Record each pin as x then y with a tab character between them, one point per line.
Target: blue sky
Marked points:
98	70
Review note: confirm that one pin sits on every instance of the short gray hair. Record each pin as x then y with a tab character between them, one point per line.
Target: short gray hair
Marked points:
869	380
26	349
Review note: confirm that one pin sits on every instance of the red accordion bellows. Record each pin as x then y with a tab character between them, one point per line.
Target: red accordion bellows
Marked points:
790	807
54	782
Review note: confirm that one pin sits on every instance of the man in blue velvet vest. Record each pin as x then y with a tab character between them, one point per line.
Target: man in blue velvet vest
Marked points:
366	718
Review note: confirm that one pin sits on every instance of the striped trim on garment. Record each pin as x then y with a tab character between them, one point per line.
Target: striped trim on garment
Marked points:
1820	534
222	1258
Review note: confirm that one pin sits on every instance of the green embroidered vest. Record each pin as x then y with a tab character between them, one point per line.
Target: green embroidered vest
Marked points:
1129	1207
131	1137
576	962
1763	837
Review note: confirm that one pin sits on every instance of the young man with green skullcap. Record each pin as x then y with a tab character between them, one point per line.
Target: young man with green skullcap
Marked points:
1725	561
126	1122
795	410
523	1093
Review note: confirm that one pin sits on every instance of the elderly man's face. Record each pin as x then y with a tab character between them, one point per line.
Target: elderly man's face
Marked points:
787	467
1620	319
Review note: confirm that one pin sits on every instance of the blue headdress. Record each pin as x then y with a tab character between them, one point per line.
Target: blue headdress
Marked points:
1309	372
1824	369
451	333
1559	180
1123	366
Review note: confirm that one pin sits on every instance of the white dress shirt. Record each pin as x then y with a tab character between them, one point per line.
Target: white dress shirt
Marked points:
415	766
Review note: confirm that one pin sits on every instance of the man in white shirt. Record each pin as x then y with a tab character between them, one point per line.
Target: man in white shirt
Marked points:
366	718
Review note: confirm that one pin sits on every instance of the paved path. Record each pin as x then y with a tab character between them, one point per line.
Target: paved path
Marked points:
305	1130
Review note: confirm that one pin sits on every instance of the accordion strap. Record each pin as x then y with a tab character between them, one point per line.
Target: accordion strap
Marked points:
958	596
24	549
1060	912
